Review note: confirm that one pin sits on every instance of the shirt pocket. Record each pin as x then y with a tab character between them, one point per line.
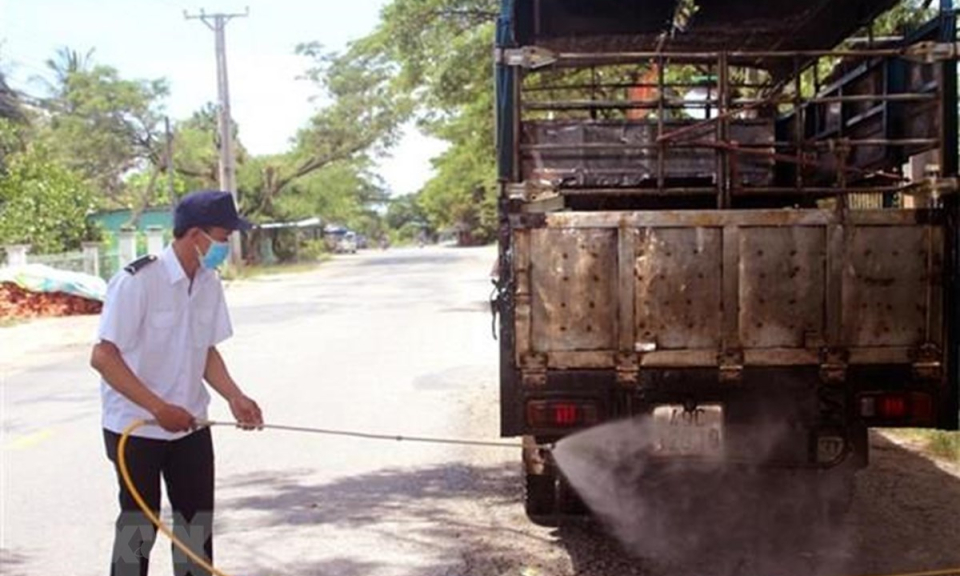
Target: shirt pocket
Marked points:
162	326
202	327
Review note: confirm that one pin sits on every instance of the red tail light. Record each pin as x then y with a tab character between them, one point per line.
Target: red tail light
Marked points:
891	406
898	407
561	413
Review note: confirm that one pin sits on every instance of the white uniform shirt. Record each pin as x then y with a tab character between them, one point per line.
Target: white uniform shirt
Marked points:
164	328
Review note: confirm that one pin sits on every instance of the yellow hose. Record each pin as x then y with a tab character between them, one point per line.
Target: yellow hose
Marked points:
122	463
125	474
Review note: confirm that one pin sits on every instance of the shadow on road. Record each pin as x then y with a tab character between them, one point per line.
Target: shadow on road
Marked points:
468	515
12	563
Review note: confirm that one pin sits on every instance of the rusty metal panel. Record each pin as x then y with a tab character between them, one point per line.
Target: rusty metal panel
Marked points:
781	286
573	284
769	357
935	319
885	286
679	358
580	360
866	281
833	291
678	288
627	288
521	272
730	282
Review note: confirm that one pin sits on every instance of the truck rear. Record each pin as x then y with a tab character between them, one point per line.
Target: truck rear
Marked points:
733	219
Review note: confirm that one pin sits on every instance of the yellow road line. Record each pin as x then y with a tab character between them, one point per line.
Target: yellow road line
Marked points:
29	440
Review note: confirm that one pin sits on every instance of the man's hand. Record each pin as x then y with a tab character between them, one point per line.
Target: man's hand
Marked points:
246	412
173	418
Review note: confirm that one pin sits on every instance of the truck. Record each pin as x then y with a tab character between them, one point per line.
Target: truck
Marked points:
720	214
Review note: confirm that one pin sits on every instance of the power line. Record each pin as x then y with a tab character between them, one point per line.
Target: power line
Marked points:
228	178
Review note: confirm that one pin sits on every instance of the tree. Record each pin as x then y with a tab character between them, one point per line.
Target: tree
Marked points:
43	203
102	126
196	150
407	218
327	170
441	49
364	115
11	107
904	17
64	64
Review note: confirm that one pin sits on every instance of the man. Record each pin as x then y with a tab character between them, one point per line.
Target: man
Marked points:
161	323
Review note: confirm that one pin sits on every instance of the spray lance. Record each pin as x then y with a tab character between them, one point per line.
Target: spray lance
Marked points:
203	562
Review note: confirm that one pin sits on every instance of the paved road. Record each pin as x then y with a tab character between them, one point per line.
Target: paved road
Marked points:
395	342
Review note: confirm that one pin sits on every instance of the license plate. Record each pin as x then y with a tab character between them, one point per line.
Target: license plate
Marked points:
679	432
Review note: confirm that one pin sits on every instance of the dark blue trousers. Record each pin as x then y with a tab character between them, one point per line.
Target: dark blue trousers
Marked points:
186	466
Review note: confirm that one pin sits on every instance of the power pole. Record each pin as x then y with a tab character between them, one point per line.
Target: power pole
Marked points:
228	179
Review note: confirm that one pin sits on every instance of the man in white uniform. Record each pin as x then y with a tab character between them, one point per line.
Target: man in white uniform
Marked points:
161	322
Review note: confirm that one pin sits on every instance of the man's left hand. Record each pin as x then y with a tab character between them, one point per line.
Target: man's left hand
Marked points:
246	412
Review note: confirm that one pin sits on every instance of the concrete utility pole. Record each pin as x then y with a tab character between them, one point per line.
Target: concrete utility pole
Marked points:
228	179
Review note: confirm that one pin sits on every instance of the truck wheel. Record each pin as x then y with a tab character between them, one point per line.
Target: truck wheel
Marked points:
540	498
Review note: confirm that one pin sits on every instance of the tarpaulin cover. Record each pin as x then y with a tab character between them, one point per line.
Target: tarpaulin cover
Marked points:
41	278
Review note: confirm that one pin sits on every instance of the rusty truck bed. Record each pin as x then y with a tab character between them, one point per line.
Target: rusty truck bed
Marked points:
727	288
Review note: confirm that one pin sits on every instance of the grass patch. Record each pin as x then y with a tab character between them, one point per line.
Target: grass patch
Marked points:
945	445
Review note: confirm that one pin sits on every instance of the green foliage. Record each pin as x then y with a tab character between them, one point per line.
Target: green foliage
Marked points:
946	445
363	115
11	108
102	126
44	204
904	17
196	149
403	210
313	250
441	50
341	192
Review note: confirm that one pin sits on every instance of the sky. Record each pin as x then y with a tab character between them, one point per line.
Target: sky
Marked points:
151	39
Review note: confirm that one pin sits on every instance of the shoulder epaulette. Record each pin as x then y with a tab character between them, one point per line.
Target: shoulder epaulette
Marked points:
139	263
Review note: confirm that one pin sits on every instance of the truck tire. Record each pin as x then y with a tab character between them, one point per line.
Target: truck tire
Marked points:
540	498
569	502
548	500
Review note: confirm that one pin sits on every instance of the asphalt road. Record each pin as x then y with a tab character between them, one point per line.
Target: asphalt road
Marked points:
395	342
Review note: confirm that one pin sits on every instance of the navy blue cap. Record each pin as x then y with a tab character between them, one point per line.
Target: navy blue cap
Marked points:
208	208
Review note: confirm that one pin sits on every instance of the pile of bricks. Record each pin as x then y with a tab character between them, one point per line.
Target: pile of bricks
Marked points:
15	302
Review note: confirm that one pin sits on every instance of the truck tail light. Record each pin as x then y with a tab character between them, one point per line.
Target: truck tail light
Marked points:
561	413
914	408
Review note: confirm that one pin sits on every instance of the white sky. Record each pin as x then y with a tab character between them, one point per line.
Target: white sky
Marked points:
151	39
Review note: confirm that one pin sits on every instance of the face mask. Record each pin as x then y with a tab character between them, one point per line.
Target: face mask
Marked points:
216	254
